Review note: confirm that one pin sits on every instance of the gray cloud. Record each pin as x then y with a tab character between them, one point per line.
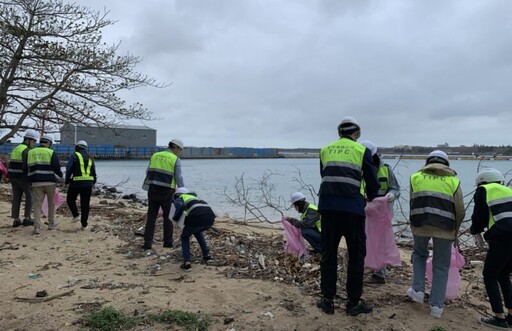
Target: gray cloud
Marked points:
283	73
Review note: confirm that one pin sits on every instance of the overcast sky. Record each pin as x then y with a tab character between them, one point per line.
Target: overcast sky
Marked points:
276	73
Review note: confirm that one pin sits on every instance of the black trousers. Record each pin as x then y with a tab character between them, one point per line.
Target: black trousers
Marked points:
158	199
497	270
85	200
334	226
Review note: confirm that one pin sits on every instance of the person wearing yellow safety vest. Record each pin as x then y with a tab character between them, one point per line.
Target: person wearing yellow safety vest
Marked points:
81	177
389	188
163	175
309	223
19	181
199	217
344	164
43	166
493	211
436	212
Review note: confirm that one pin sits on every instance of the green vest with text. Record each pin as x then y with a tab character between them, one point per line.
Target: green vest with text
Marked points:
318	224
15	168
432	200
342	163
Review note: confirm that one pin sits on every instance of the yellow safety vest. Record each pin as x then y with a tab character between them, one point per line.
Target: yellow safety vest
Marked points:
16	161
432	200
318	224
499	201
161	170
86	172
342	163
383	175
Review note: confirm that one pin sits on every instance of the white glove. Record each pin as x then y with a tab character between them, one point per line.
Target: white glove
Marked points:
390	196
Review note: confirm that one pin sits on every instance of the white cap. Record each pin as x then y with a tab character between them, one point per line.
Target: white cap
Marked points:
181	190
348	123
177	142
371	146
31	134
47	137
297	196
438	155
82	143
489	175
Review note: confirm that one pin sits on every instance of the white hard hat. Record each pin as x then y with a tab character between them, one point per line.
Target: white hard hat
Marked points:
371	146
181	190
177	142
31	134
47	137
438	155
348	123
297	196
489	175
82	143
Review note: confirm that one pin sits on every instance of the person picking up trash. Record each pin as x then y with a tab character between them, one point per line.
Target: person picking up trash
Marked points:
198	217
309	222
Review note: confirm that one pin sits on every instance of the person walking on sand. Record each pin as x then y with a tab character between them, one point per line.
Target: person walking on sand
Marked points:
198	217
42	166
162	176
493	210
81	177
390	189
436	212
344	164
309	222
19	180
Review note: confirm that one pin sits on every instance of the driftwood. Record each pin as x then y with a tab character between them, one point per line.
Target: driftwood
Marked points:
44	299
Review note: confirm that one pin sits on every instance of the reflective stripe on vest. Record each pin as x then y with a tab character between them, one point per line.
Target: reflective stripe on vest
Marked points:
86	172
383	174
499	200
192	203
39	161
16	161
161	170
318	224
342	163
432	201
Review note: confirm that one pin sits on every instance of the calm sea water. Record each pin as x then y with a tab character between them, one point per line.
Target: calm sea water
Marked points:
213	180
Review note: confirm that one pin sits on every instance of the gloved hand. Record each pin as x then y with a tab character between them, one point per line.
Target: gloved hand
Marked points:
390	196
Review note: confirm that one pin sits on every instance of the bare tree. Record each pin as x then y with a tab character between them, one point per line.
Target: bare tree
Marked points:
55	68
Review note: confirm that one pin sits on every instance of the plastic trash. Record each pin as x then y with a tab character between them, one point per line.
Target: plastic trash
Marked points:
294	242
58	199
454	279
381	248
32	275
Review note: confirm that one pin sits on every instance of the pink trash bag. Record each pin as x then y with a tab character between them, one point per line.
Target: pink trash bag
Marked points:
381	247
59	201
294	242
453	285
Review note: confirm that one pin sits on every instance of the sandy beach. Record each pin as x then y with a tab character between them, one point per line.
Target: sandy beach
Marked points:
104	266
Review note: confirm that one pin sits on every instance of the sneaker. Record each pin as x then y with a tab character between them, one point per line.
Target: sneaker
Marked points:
75	219
327	305
146	246
27	222
168	244
36	231
360	308
207	258
186	265
374	279
53	225
84	228
494	322
16	223
416	296
436	312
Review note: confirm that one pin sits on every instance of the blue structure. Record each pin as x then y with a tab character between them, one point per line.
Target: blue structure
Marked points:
105	151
